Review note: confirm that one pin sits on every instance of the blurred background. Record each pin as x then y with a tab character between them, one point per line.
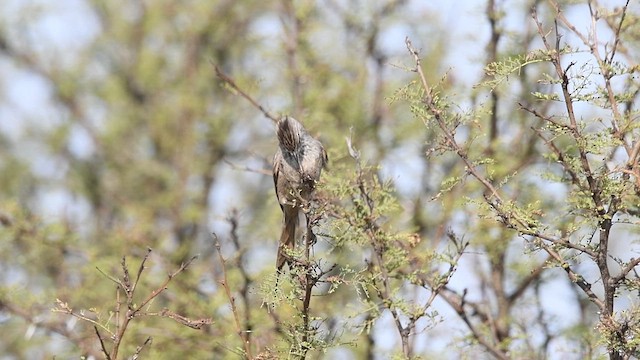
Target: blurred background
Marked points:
117	136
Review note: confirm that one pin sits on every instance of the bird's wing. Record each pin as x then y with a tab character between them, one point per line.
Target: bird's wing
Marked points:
277	168
325	159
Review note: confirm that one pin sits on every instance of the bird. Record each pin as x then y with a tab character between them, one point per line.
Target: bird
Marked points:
297	165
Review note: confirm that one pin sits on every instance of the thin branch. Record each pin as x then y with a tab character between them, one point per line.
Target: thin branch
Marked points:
626	270
550	119
384	293
561	242
524	285
232	301
309	283
136	355
141	269
439	117
194	324
133	309
116	281
247	281
63	307
248	169
229	81
442	279
457	302
102	347
165	284
616	40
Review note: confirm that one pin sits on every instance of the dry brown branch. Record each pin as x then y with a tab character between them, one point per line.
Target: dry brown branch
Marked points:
242	333
102	346
235	166
136	355
229	81
194	324
626	270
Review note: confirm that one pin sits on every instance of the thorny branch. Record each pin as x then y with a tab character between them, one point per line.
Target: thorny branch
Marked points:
308	272
310	278
604	63
583	177
494	199
383	278
385	291
606	207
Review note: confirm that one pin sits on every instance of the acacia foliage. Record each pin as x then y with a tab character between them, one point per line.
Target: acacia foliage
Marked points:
451	213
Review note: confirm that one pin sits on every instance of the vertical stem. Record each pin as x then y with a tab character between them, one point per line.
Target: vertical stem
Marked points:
308	287
292	46
492	56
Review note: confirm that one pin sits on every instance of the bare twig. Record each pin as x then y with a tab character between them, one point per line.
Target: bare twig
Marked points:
626	270
616	40
229	81
194	324
249	169
116	281
102	347
141	269
232	301
246	284
63	307
136	355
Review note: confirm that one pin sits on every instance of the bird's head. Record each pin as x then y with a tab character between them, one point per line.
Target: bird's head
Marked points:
289	132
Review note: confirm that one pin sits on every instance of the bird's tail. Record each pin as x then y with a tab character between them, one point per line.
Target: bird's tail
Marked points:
288	237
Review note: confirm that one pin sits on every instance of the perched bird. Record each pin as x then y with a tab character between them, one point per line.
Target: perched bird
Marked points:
296	169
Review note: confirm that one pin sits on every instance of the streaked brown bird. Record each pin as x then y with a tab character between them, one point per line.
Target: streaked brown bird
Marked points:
296	169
